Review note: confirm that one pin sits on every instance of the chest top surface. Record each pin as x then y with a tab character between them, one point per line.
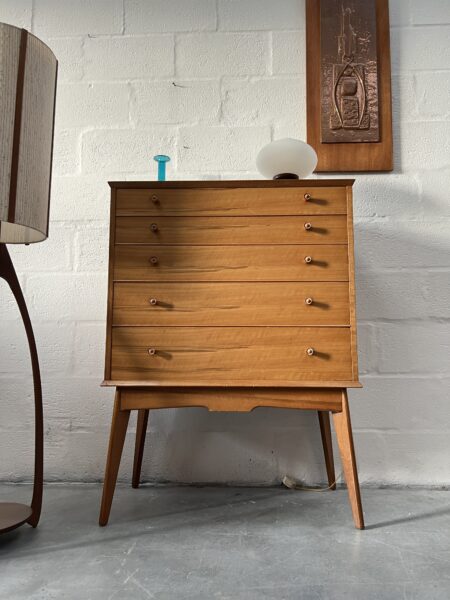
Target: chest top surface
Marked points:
231	283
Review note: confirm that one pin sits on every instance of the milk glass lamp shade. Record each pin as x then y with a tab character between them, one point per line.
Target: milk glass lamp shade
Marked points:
28	70
286	159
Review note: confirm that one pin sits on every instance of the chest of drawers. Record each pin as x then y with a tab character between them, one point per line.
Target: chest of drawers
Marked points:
232	295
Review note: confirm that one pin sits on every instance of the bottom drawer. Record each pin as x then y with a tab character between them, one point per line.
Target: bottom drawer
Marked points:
231	355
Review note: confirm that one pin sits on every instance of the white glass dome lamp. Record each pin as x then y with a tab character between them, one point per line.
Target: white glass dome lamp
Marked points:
286	159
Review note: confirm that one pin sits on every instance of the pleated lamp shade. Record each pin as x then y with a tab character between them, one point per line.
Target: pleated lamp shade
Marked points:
28	70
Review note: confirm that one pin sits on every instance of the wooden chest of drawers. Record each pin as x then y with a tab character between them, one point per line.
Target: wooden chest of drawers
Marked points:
231	295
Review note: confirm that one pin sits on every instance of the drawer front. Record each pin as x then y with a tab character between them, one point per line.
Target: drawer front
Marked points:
231	354
232	230
232	201
231	304
231	263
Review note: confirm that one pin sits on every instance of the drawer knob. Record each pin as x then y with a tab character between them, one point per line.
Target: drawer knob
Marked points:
152	351
154	260
308	301
155	199
308	260
307	226
310	351
307	197
154	227
153	301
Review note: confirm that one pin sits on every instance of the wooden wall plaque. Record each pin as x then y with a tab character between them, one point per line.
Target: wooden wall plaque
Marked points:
348	85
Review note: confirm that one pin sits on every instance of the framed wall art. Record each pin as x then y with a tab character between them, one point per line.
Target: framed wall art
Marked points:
348	84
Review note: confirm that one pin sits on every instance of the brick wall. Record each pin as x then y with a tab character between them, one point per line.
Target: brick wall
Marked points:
210	82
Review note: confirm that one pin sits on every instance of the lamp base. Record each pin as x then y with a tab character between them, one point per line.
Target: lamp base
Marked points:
286	176
13	515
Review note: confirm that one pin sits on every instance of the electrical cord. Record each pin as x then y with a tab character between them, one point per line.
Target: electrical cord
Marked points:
295	485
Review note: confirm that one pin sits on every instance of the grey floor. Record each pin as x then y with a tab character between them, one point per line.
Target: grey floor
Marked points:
229	543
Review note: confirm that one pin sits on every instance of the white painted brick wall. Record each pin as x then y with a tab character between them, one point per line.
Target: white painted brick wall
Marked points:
229	148
83	17
70	53
218	54
17	13
175	102
146	16
92	105
289	52
258	101
209	82
122	150
235	15
129	57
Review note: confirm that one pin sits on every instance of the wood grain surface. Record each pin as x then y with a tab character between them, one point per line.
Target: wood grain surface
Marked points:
217	231
209	307
231	263
237	201
217	304
344	435
231	399
238	353
167	384
231	184
351	280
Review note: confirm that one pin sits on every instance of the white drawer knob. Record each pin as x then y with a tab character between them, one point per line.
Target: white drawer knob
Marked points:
308	226
308	301
310	351
308	260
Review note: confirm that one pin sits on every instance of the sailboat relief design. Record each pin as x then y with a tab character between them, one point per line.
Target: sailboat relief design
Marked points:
349	71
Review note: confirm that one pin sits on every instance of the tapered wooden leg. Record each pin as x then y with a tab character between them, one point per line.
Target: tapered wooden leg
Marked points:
116	440
325	432
141	430
344	436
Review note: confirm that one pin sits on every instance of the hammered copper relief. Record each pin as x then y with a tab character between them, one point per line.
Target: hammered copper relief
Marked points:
348	84
349	100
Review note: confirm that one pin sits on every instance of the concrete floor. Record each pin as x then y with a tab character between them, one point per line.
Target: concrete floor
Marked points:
229	543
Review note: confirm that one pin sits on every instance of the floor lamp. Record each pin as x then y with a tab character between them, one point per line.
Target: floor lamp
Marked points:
28	70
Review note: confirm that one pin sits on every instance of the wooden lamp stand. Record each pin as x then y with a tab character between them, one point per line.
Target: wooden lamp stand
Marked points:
12	514
27	109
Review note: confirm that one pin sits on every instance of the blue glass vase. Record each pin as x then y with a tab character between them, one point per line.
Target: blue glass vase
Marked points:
161	159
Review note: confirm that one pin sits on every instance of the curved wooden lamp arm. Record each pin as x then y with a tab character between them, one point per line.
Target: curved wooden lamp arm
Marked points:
8	273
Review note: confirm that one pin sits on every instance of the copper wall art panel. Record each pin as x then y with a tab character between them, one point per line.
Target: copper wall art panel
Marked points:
348	81
349	99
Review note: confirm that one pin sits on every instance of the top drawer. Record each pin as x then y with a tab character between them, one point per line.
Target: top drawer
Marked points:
232	201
